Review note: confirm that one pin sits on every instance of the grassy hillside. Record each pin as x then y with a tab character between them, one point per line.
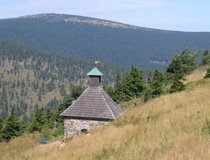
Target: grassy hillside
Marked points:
168	127
30	78
89	38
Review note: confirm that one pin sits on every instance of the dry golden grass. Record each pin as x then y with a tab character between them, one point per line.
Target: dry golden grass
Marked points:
165	128
197	74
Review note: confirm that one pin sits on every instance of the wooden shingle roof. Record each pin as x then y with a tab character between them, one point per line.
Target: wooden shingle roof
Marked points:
94	103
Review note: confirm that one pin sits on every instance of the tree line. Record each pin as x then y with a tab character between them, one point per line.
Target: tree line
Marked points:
126	88
30	79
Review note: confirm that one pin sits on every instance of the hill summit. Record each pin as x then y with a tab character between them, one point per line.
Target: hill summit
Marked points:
107	41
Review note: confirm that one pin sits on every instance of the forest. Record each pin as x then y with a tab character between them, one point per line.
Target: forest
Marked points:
79	37
30	78
125	88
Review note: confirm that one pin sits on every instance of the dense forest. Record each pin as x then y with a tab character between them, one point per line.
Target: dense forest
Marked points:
89	38
133	85
30	79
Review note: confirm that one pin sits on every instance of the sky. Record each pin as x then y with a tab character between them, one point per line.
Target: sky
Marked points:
178	15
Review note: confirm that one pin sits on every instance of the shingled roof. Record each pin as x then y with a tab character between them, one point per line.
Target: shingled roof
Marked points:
94	103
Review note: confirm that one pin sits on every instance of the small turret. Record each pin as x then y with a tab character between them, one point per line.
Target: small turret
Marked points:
94	77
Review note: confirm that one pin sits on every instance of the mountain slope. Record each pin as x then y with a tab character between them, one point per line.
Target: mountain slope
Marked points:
30	78
89	38
169	127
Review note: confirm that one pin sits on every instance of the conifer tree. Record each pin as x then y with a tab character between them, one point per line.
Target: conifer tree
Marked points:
38	120
188	59
49	119
131	86
1	123
61	108
1	127
205	58
178	75
76	91
157	83
149	78
118	80
12	127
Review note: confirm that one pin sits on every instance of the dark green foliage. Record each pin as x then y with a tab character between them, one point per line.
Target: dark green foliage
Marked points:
207	73
61	108
131	86
49	119
178	74
1	123
149	78
157	83
12	127
177	86
147	94
180	66
42	73
118	80
205	58
38	120
76	91
145	48
1	127
187	59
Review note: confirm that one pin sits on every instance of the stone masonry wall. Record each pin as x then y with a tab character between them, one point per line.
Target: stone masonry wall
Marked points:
75	126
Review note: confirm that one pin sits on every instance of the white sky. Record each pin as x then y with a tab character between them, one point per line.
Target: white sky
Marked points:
182	15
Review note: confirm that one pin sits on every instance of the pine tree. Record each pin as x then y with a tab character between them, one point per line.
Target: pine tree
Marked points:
12	127
149	78
188	59
157	83
178	75
205	58
1	127
118	80
131	86
76	91
49	119
61	108
38	120
1	123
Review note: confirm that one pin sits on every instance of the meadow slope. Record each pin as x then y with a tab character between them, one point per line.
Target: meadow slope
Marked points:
165	128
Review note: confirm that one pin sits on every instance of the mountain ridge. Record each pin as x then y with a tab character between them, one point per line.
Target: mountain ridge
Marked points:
91	39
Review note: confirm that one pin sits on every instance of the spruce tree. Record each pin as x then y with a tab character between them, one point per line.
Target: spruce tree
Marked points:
178	75
76	91
1	127
1	123
131	86
49	119
12	127
157	83
38	120
118	80
61	108
205	58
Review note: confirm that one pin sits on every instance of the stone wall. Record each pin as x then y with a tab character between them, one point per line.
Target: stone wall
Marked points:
75	126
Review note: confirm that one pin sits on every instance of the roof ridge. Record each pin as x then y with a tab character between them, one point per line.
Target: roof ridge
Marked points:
106	102
75	101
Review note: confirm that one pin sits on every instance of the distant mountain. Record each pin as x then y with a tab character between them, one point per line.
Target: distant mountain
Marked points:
96	39
30	78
